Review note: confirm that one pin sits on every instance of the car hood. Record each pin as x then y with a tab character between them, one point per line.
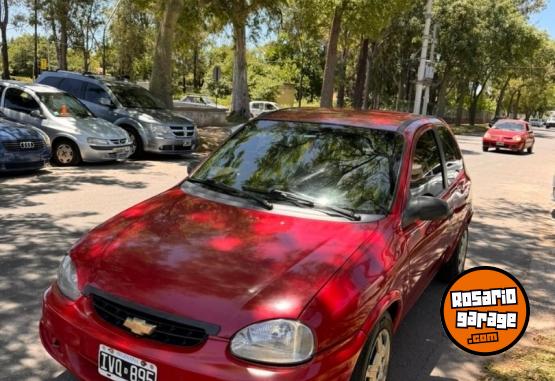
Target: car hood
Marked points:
15	131
93	127
164	116
220	264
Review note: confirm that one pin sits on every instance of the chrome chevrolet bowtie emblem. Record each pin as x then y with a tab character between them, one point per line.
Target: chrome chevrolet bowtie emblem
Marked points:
27	145
139	326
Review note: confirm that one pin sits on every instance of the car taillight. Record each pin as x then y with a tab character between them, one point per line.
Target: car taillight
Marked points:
517	138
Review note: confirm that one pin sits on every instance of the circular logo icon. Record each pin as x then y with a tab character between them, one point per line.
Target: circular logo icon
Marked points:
485	311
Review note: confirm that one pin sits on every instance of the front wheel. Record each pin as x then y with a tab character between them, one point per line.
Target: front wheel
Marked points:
530	149
65	153
485	148
373	363
136	142
455	265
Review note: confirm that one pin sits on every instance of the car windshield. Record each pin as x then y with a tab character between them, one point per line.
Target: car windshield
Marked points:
64	105
345	167
135	97
509	126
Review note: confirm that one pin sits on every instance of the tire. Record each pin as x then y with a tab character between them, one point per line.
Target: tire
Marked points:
137	147
371	365
455	265
65	153
530	149
485	149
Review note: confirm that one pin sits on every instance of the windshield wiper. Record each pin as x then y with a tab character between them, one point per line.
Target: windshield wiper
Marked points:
302	201
223	188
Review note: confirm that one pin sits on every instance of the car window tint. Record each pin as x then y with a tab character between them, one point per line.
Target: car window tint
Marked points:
453	156
427	172
269	106
93	93
72	86
51	81
256	105
21	101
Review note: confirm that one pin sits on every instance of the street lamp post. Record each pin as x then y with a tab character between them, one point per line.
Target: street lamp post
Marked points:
104	36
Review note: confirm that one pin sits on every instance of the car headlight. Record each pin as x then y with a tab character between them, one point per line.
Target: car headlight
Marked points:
45	137
517	138
99	142
160	130
274	342
67	279
487	135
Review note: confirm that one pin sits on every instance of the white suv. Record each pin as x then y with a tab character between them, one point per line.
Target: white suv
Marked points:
261	107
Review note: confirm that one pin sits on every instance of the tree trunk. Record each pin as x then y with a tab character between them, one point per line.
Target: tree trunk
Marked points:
4	27
362	63
501	97
460	103
196	80
162	66
368	79
326	98
342	79
240	109
517	102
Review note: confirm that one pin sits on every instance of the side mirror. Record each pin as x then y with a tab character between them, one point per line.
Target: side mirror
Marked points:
425	208
105	102
37	114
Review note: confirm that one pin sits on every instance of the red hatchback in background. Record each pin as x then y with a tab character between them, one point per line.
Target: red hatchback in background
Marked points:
292	253
512	134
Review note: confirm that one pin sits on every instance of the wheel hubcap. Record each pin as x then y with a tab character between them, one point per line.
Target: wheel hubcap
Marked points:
133	143
64	153
463	247
379	358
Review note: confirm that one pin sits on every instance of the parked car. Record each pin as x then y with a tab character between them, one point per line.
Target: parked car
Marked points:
293	254
261	107
75	133
512	134
152	127
535	122
550	122
197	101
22	147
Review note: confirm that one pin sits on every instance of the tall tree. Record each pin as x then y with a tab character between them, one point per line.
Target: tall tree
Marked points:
326	99
4	19
162	66
236	13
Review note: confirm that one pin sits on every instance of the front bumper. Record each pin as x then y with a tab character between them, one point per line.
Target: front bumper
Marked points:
93	153
172	146
72	333
504	144
23	161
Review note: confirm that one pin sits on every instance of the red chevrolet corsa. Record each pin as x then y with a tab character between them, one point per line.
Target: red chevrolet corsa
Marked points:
512	134
291	254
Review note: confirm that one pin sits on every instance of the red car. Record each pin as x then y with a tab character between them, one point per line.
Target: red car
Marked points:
512	134
292	253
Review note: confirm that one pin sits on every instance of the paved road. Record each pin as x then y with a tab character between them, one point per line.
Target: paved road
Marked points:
42	215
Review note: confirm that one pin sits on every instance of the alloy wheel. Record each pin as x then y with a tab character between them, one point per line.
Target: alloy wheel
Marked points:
133	140
379	359
64	153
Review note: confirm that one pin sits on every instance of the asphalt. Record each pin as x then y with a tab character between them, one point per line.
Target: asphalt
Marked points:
42	214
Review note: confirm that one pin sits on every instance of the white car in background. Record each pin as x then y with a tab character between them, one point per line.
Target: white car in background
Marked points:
197	101
260	107
550	122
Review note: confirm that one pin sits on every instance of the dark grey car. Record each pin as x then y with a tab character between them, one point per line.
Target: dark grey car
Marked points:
152	127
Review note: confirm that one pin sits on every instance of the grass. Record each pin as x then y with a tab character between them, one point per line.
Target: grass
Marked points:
534	361
467	129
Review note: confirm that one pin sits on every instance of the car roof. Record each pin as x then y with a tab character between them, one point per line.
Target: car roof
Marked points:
35	87
386	120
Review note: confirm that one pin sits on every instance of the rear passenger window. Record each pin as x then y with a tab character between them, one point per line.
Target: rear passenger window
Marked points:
93	93
18	100
51	81
427	172
453	157
72	86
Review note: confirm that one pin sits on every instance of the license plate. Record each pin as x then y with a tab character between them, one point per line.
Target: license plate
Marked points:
122	150
120	366
501	144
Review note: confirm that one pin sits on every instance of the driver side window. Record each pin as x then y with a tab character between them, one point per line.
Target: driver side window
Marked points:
427	171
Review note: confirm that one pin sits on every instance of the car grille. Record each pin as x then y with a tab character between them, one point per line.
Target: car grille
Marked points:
183	131
166	331
23	145
118	141
175	148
